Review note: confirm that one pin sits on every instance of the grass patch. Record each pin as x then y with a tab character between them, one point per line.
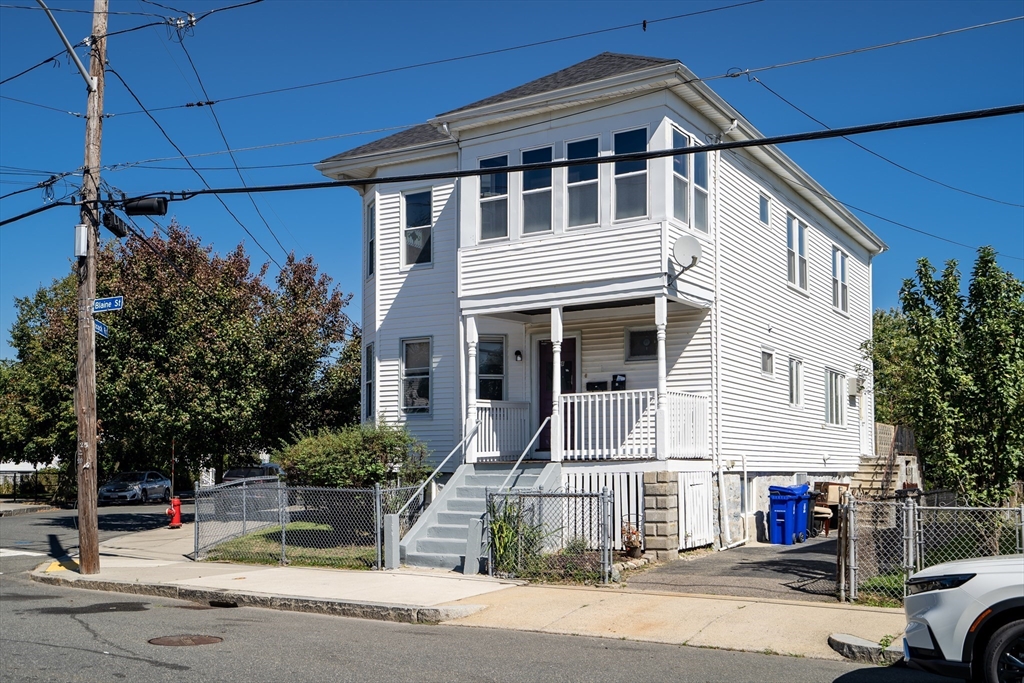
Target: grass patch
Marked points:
307	544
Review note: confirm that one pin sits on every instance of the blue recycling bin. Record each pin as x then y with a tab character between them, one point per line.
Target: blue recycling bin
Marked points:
787	511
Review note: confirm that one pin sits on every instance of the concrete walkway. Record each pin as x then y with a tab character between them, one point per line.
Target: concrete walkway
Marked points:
152	562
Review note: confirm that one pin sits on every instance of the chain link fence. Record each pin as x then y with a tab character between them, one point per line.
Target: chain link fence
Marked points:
550	536
261	522
883	542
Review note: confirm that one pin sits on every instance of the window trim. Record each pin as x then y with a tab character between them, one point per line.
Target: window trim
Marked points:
596	181
831	400
370	238
369	381
769	353
796	244
840	280
497	198
405	228
692	188
615	176
504	365
626	344
796	382
430	377
523	193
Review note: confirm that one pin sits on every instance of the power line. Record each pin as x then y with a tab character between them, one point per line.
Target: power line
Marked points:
33	212
44	106
220	129
32	68
81	11
883	158
203	179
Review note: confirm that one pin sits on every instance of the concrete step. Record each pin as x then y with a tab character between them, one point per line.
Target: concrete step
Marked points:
448	531
457	518
470	492
478	505
524	480
418	559
441	546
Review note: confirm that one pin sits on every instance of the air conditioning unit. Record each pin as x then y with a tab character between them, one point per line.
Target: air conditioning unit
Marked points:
855	386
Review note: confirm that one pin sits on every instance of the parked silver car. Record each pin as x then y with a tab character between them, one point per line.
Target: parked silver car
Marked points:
136	487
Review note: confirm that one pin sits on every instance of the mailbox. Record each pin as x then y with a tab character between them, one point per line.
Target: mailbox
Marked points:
597	386
618	382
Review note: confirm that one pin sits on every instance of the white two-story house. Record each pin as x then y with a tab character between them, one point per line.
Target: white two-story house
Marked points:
550	307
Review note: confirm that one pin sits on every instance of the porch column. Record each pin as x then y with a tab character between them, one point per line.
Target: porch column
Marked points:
471	417
557	443
661	417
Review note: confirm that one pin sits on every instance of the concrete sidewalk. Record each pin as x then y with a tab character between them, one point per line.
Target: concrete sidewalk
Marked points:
153	563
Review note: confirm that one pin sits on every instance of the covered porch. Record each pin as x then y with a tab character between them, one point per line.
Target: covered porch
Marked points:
587	410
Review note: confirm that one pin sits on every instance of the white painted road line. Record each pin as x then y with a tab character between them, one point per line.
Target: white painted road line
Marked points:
10	552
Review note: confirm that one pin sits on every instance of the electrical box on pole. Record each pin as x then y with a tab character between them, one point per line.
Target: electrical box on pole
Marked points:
81	240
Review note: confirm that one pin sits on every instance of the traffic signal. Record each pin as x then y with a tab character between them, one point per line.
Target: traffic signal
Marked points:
114	224
146	206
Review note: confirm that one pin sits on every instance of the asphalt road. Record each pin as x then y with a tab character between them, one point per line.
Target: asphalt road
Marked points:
50	633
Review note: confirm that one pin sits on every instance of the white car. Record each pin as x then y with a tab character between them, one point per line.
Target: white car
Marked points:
965	619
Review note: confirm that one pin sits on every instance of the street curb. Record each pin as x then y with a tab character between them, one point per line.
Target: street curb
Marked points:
28	510
862	650
407	614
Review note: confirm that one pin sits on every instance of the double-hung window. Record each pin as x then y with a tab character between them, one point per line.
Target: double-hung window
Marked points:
796	252
581	183
418	222
680	179
763	209
416	365
630	176
369	371
767	362
840	292
835	397
371	237
796	382
490	363
537	192
700	191
494	200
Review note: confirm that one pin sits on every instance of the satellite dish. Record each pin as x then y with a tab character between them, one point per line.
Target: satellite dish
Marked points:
686	252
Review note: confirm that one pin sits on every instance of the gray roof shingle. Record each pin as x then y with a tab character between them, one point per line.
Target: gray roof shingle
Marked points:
604	65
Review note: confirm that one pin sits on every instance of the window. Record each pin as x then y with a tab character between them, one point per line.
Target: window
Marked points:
581	182
763	210
796	252
680	179
641	344
490	364
840	292
494	200
630	176
682	187
767	362
416	363
537	192
835	397
796	382
369	371
371	237
418	219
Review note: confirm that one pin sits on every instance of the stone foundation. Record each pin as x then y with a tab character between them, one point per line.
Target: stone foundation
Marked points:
661	515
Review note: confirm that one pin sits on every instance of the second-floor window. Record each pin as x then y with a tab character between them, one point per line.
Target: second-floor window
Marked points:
763	207
700	191
371	237
796	252
537	192
840	292
630	176
581	183
490	363
494	200
418	223
689	185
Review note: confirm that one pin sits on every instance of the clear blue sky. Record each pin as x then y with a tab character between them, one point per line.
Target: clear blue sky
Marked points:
277	44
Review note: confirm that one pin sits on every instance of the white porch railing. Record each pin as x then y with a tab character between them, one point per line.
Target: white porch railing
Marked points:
504	429
622	425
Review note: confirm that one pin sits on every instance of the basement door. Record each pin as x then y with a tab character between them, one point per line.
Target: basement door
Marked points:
547	365
695	514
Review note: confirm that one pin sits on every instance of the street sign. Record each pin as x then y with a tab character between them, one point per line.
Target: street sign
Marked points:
101	329
111	303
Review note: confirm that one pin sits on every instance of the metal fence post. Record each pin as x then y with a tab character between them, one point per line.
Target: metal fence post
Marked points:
378	521
195	520
852	556
487	531
603	529
282	497
843	532
919	529
244	511
908	541
1020	520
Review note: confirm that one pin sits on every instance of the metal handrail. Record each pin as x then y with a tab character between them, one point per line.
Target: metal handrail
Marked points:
525	451
433	474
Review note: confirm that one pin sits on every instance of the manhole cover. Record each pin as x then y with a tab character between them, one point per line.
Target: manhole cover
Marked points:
185	640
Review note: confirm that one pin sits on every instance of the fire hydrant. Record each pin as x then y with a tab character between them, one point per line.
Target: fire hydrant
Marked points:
174	512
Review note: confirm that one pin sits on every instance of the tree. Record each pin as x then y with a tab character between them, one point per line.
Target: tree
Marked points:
966	369
890	351
205	353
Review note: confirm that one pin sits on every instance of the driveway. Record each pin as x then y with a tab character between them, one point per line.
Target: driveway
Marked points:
806	571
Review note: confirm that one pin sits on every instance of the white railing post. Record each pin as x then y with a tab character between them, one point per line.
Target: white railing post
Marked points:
557	442
661	426
471	343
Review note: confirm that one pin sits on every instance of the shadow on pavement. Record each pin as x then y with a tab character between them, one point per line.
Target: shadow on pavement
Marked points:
119	521
891	674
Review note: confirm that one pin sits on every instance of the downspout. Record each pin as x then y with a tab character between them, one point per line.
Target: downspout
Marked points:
725	537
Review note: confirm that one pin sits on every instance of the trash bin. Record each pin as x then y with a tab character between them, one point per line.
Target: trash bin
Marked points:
803	517
787	511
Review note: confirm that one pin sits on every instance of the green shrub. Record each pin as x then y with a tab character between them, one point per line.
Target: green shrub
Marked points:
354	457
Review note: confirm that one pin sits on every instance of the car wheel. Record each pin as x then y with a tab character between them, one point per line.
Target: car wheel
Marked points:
167	495
1004	655
145	497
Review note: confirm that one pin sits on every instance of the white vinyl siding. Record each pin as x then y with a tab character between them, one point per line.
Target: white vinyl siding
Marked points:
835	397
630	176
796	252
582	184
796	382
537	192
418	228
840	290
494	200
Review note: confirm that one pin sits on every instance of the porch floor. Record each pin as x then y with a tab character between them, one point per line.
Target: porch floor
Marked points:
806	571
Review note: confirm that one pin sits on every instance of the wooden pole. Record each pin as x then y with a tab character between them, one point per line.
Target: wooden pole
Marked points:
85	389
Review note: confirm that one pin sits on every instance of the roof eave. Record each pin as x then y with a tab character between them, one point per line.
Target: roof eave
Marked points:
367	165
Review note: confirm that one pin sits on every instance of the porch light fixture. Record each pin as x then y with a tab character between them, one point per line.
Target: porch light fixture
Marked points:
519	356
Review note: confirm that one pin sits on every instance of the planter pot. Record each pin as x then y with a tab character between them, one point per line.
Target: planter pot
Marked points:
634	553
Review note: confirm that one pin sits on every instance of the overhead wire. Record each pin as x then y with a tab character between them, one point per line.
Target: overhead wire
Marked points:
200	175
71	10
33	68
884	158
